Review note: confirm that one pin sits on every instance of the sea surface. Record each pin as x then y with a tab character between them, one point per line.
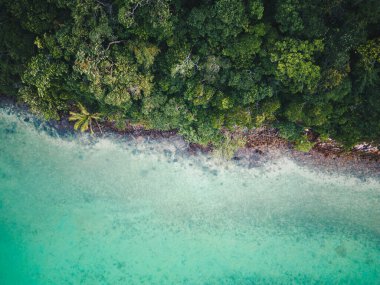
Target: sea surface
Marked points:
79	210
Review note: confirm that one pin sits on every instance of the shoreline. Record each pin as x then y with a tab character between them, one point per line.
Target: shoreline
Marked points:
263	145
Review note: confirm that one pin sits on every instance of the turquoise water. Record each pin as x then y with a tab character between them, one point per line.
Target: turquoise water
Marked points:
113	212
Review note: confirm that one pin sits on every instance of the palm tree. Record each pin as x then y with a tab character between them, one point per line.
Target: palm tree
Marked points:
84	119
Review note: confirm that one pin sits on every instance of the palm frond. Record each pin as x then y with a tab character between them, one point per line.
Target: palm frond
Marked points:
85	125
83	109
75	116
84	119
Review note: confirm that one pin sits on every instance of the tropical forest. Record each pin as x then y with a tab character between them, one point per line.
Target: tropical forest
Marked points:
205	68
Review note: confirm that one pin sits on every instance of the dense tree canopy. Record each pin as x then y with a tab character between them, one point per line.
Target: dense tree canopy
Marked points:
204	67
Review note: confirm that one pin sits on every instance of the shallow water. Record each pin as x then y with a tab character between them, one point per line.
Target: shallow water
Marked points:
113	212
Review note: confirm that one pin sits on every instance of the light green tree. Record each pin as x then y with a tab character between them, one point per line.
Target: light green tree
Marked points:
84	119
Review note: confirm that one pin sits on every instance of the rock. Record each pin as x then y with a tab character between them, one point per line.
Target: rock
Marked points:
140	139
180	144
167	153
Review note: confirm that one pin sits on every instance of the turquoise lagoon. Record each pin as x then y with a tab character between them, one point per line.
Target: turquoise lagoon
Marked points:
112	211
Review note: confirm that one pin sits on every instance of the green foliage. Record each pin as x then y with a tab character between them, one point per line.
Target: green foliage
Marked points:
289	131
266	112
41	89
288	16
199	94
83	119
296	67
370	53
229	145
295	134
201	67
255	9
303	144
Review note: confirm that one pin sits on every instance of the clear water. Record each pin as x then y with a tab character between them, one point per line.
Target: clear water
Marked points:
117	213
